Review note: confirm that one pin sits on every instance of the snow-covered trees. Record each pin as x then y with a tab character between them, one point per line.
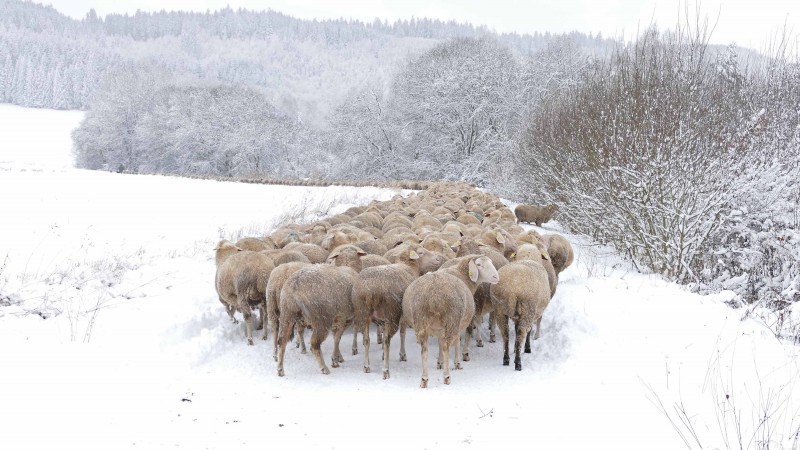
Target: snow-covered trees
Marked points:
668	152
459	106
145	121
449	113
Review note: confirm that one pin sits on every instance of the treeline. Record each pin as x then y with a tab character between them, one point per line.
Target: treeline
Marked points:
303	67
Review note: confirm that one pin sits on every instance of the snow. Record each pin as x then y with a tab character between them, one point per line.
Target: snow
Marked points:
112	335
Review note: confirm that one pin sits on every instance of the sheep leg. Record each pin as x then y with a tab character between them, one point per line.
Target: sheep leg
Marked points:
503	325
337	358
261	320
273	323
519	332
528	342
316	341
365	326
286	332
422	339
263	312
467	339
300	330
355	340
538	329
378	332
476	324
492	321
403	340
439	359
444	344
456	351
389	330
248	324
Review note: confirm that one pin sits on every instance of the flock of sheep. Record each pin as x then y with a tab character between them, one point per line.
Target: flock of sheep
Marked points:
437	261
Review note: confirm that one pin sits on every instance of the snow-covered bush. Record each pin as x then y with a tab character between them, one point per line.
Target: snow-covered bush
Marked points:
682	160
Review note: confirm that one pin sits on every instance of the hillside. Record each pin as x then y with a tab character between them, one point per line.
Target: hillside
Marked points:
306	68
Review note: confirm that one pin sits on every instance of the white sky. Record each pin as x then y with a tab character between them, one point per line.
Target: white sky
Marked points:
748	23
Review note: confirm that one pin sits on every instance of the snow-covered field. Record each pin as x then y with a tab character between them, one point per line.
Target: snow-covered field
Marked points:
111	336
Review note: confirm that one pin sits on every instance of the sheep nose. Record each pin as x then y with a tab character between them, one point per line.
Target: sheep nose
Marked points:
494	279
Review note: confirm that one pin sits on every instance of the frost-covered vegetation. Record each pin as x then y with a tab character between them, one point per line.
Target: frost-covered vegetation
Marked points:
682	155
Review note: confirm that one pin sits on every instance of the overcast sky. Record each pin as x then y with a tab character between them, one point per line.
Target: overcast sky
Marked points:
748	23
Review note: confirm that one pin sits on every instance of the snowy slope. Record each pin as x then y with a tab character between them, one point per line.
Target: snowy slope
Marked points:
134	349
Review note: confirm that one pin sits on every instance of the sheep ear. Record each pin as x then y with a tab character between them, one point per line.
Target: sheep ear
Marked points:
413	255
513	255
332	258
473	271
500	238
361	253
545	255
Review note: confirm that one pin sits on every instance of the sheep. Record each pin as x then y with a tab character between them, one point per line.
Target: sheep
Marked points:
522	295
535	214
337	237
438	245
320	295
529	237
538	253
499	239
255	244
483	304
440	303
313	252
560	251
276	281
241	282
468	219
378	294
285	256
372	246
373	261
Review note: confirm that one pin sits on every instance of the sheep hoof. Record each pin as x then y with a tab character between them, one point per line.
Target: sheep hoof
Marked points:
517	366
326	371
250	341
527	349
334	363
303	351
280	372
439	365
446	380
492	338
479	344
340	358
275	357
424	383
234	321
458	366
355	351
505	360
366	369
385	374
466	357
380	339
403	357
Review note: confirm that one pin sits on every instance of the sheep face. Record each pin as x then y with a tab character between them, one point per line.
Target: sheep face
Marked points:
481	270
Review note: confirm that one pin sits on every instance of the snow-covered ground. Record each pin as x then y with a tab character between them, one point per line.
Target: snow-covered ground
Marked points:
111	336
